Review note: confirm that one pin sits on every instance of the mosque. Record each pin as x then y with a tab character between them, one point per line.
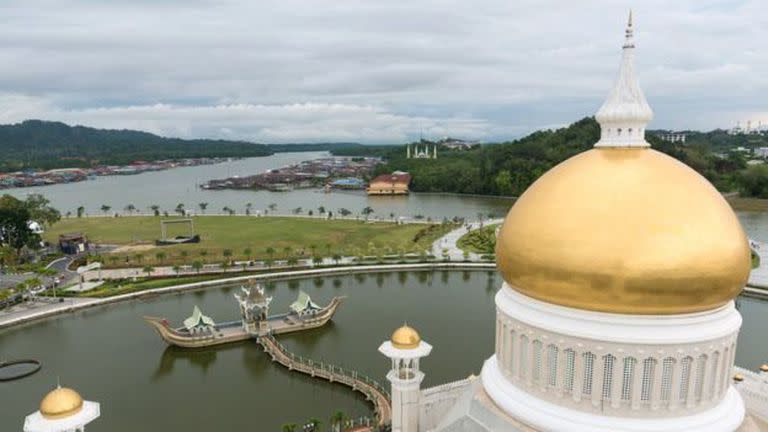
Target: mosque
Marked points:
617	313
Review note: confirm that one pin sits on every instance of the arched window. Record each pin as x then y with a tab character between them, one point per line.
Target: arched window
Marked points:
667	368
536	360
698	382
628	377
685	377
589	372
618	131
570	360
649	367
552	352
523	356
608	361
629	131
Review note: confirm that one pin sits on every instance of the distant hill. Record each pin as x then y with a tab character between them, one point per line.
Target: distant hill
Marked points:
508	168
44	145
719	139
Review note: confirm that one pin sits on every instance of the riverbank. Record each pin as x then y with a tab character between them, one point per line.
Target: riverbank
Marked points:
748	204
73	305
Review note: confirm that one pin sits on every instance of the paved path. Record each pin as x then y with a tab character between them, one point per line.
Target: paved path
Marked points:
450	240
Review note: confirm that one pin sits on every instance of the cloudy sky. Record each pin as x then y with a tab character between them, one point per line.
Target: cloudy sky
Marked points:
374	71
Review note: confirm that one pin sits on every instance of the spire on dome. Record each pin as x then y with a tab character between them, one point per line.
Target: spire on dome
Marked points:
625	112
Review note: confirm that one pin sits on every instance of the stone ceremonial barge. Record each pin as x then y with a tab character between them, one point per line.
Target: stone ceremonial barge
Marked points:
201	331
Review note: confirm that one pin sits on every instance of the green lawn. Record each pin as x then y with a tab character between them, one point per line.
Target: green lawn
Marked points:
482	241
287	236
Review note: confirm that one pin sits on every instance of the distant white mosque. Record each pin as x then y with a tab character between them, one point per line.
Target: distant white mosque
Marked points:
617	312
421	150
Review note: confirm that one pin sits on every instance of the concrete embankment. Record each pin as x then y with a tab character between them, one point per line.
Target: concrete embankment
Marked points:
77	304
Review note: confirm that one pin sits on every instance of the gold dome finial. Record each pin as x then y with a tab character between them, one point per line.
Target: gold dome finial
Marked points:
60	403
405	337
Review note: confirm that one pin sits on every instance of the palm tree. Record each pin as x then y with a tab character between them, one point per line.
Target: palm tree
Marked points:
272	207
226	209
227	254
297	210
69	214
155	209
321	210
247	252
344	212
366	212
148	270
336	258
337	420
177	270
130	208
292	261
197	265
160	257
105	208
80	211
315	422
248	207
317	260
180	209
203	206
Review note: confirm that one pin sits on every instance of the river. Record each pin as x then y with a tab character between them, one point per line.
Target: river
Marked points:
171	187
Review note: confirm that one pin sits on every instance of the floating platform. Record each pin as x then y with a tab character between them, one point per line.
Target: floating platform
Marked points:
234	331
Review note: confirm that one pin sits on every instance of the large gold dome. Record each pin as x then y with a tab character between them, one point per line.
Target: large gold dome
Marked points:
61	402
628	231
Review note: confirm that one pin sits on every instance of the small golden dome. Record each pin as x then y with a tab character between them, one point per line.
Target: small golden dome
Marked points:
630	231
61	402
405	338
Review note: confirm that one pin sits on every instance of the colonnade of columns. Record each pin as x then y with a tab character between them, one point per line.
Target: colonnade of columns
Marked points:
614	379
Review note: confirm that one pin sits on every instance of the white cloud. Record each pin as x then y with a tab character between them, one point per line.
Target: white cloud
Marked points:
296	70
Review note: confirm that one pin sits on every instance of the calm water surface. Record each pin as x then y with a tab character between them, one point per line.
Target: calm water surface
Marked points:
111	356
171	187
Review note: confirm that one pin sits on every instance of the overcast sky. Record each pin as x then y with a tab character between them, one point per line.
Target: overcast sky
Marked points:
374	71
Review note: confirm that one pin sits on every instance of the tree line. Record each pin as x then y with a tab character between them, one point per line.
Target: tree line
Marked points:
508	168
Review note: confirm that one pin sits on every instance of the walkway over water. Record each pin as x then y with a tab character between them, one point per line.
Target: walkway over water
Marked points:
372	390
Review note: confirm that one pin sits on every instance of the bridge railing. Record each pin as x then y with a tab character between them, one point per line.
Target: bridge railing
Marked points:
335	370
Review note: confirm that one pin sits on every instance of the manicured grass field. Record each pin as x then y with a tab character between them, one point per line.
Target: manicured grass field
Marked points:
288	237
482	241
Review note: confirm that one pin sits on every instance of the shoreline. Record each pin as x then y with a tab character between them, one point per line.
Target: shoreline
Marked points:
71	305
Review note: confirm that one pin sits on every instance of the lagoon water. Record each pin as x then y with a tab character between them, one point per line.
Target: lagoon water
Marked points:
110	355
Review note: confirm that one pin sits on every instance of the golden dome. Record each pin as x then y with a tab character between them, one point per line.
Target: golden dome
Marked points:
625	231
61	402
405	338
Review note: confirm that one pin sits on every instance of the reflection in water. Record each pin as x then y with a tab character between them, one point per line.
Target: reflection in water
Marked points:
445	276
402	277
309	339
203	358
360	277
319	282
293	284
337	283
379	280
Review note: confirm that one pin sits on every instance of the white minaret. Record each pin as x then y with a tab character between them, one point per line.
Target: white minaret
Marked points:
408	151
625	112
62	410
405	348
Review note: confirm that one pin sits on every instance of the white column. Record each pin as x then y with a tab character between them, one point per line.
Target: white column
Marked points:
598	373
616	381
656	388
578	376
637	383
515	369
674	389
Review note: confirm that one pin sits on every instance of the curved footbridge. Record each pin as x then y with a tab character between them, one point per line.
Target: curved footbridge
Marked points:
373	391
